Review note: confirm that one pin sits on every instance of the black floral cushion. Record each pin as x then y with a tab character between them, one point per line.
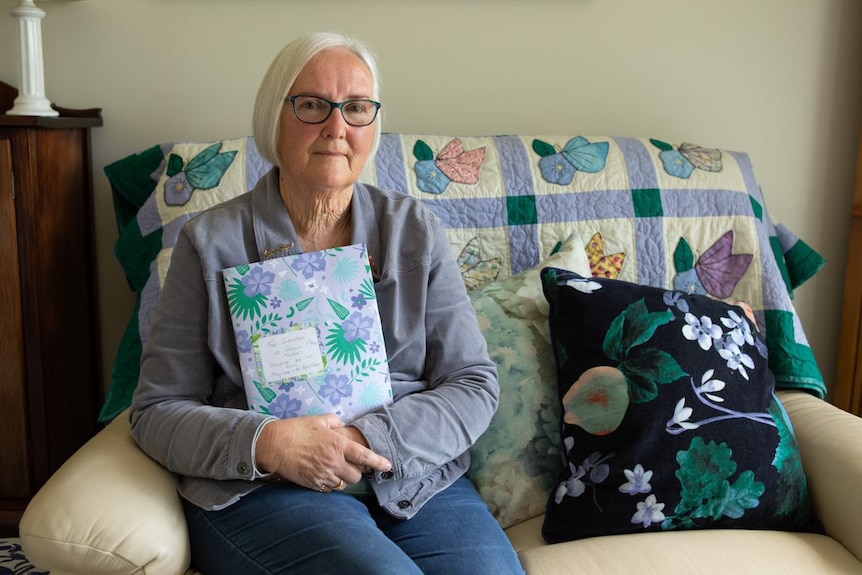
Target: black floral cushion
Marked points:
670	420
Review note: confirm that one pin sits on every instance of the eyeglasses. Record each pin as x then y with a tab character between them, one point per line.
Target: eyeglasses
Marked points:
314	110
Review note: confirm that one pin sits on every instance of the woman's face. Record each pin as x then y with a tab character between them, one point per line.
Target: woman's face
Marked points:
330	155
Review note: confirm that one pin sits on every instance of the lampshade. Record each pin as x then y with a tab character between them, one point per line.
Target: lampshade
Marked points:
31	100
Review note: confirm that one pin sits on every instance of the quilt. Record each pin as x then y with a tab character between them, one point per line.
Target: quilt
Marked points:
648	211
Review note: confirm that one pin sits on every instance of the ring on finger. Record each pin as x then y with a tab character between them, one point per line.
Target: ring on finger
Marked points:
322	487
340	487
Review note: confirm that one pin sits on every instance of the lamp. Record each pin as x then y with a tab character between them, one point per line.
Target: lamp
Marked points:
31	100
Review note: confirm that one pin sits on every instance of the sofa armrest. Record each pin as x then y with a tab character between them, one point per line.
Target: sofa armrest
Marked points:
108	509
829	442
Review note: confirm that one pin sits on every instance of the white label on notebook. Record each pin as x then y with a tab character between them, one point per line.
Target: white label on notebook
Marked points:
292	354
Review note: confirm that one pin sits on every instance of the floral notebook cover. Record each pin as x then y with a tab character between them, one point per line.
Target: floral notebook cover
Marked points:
309	335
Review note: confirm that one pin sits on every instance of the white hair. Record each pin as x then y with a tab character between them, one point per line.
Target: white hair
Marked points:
281	75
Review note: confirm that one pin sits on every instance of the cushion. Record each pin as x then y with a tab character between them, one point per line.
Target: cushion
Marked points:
515	461
13	561
650	212
670	418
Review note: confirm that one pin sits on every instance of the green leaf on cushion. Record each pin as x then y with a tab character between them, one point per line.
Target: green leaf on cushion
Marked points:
704	473
744	494
634	326
646	368
792	487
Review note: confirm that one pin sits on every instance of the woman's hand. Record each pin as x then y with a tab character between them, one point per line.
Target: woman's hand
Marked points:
316	451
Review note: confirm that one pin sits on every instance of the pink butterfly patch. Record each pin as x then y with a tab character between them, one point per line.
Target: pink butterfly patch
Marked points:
458	165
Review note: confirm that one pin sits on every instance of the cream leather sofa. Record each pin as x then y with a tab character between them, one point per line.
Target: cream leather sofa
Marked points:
112	510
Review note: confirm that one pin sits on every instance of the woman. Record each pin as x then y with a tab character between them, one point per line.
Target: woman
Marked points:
387	493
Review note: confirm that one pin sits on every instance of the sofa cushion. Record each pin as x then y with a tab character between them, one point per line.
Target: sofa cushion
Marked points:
712	552
670	418
516	460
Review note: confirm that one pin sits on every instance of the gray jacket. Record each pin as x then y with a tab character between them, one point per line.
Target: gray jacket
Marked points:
189	410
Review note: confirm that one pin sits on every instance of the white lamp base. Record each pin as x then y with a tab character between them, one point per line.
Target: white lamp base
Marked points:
31	100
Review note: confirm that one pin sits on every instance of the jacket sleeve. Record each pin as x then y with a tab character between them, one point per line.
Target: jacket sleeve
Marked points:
436	418
171	416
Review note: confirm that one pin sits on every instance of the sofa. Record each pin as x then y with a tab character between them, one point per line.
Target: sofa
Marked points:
652	220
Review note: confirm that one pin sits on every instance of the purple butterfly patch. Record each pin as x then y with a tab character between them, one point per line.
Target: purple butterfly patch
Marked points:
717	270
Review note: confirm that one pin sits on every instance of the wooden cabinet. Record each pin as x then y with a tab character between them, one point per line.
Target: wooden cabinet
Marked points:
848	386
49	341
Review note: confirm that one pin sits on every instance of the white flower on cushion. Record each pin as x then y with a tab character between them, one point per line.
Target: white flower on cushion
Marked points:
583	285
702	330
736	359
649	512
681	416
638	481
710	386
740	328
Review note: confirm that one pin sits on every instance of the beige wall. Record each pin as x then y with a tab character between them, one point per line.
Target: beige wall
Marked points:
779	79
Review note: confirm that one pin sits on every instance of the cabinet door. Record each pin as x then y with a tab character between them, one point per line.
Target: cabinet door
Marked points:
14	461
847	393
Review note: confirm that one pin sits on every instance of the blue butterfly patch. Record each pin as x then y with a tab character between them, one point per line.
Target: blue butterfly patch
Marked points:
559	167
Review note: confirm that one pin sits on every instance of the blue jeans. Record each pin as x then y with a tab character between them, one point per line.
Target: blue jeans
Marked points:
283	528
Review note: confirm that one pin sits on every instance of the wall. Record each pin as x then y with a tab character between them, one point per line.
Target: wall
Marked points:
779	79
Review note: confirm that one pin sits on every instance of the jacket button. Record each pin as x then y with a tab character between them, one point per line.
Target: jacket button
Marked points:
386	475
403	504
368	474
243	468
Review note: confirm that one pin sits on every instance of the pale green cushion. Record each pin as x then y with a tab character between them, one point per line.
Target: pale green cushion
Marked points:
516	460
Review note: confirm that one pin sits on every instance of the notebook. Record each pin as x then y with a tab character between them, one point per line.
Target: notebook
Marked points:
308	334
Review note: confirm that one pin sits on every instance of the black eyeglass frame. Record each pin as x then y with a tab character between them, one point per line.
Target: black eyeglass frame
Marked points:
333	106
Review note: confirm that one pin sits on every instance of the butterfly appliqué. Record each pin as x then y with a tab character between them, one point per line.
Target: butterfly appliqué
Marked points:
682	161
203	172
452	164
716	272
601	265
559	167
476	271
